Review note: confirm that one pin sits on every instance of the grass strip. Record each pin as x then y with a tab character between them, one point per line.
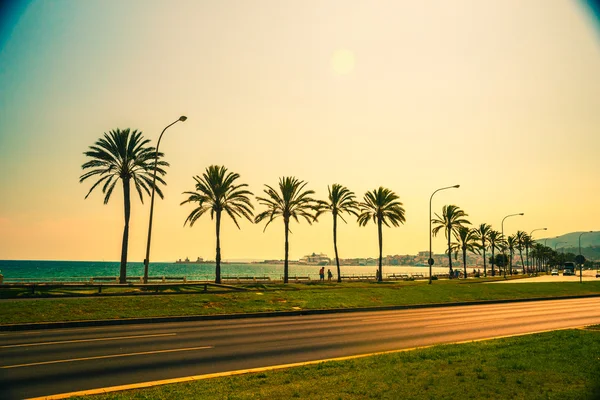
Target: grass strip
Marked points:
277	298
553	365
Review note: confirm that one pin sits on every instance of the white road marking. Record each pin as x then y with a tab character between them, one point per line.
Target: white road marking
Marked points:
108	356
85	340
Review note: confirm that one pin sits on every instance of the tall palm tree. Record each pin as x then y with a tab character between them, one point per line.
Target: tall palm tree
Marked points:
483	232
340	200
384	208
511	245
468	240
292	201
496	241
123	155
521	237
528	242
452	218
217	191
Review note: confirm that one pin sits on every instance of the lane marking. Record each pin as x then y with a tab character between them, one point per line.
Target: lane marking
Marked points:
470	322
108	356
271	368
86	340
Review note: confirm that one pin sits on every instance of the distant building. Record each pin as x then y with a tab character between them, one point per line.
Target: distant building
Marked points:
315	259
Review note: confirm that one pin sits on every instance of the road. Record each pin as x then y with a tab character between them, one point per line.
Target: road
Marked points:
57	361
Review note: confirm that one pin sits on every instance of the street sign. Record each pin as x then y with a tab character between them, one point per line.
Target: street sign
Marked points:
430	261
580	259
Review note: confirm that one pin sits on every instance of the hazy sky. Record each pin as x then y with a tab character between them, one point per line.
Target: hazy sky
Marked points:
501	97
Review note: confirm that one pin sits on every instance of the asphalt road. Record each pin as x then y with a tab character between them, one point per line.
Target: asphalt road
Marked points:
57	361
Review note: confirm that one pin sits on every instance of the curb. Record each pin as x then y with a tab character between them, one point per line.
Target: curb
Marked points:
190	318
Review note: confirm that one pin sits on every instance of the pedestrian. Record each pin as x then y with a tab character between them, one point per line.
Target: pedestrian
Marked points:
322	273
329	274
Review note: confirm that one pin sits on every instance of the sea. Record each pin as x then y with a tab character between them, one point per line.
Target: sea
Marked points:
81	271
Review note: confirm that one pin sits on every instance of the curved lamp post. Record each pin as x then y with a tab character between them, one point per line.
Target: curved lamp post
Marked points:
147	259
581	265
430	261
504	249
531	233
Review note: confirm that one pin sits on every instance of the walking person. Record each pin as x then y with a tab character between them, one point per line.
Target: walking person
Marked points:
329	275
322	273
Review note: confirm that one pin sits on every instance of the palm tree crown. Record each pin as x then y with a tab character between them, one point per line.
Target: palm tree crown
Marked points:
123	155
452	218
217	192
384	208
340	200
290	202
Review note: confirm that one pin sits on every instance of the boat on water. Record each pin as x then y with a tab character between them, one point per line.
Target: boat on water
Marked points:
199	260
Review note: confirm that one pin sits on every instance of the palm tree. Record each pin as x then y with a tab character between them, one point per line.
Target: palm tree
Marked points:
382	206
217	191
483	233
511	245
124	155
496	242
340	200
468	240
292	201
452	218
528	243
521	237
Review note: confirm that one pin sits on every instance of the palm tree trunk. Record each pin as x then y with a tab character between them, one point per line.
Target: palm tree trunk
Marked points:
527	257
337	259
286	223
493	261
522	262
125	243
484	267
449	254
218	256
465	262
380	233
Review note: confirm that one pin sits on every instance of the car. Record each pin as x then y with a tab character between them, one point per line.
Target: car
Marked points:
568	272
555	272
598	274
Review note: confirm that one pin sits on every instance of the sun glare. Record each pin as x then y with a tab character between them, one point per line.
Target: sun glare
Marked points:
342	62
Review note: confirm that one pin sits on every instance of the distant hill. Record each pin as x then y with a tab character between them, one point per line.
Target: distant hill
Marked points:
569	243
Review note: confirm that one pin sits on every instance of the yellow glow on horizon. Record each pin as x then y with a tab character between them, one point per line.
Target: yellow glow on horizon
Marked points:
342	62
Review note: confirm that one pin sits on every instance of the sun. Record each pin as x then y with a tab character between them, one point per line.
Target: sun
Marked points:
342	62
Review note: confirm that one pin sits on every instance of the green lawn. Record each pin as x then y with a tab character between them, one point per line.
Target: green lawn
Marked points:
274	298
557	365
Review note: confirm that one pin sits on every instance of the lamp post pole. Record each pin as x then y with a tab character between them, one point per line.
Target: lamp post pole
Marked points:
147	259
430	261
581	265
531	233
504	247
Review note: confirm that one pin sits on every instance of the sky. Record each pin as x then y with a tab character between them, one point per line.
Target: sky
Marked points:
499	97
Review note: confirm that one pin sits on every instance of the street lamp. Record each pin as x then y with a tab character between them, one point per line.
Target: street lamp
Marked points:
531	233
581	265
147	259
504	248
430	261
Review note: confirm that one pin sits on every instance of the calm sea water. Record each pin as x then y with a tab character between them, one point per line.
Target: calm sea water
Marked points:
15	270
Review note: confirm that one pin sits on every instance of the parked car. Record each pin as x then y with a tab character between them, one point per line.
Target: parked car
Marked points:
555	272
598	274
